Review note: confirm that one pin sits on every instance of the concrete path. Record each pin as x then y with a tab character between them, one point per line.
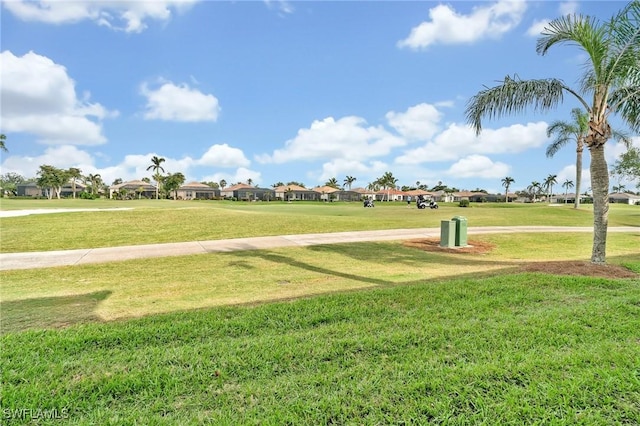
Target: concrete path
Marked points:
29	260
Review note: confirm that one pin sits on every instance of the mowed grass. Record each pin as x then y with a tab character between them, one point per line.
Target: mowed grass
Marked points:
162	221
512	349
366	333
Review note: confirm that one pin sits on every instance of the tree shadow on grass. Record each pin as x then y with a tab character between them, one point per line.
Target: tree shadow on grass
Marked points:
50	312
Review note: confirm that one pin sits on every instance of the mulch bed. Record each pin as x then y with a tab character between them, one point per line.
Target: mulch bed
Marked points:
568	267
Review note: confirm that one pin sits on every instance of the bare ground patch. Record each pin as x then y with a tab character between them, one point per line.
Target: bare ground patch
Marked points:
565	267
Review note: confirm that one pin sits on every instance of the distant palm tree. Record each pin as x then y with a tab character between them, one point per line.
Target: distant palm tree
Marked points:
348	181
506	182
156	167
576	130
95	181
3	138
548	185
619	188
534	189
566	185
74	174
333	183
249	181
223	183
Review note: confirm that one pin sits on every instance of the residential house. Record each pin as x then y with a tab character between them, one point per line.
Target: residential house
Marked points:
29	189
197	191
364	193
133	189
296	193
391	195
243	191
625	198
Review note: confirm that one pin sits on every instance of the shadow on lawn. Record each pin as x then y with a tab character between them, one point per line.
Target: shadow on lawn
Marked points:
50	312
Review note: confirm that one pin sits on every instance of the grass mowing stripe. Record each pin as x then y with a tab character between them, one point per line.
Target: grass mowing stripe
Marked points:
518	349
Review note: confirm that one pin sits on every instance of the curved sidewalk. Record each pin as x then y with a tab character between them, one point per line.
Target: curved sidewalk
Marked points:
30	260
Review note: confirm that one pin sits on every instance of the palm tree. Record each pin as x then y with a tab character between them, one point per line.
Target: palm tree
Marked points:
611	80
619	188
249	181
333	183
548	184
95	181
348	181
74	174
387	181
566	185
576	130
3	138
223	183
156	167
534	190
506	182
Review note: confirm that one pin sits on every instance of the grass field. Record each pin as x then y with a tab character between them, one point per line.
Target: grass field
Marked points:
363	333
153	221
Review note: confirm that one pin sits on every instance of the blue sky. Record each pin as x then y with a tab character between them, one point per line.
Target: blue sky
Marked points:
281	91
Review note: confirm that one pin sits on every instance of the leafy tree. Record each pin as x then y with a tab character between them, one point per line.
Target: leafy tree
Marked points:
333	183
51	179
548	185
9	183
116	181
506	182
3	139
156	166
348	181
293	182
566	185
610	79
277	184
628	165
172	182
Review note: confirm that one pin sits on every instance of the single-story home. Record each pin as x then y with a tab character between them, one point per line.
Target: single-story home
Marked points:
625	198
197	191
136	189
296	193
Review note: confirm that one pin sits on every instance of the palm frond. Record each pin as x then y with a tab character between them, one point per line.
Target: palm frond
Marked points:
513	96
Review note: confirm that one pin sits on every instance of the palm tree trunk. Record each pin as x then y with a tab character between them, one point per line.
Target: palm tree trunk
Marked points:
578	176
600	188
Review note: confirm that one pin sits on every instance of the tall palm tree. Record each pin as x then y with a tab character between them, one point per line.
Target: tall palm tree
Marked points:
610	80
223	183
348	181
577	130
3	138
506	182
249	181
156	166
95	181
566	185
387	181
548	185
74	174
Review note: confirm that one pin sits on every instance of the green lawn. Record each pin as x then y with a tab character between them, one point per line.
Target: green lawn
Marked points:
152	221
513	349
362	333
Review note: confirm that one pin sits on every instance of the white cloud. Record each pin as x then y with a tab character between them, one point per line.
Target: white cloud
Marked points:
283	6
446	26
64	157
347	138
179	103
242	174
223	156
568	7
125	15
458	141
478	166
342	167
38	97
419	122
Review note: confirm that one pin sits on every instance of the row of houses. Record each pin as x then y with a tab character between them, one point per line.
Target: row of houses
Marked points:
200	191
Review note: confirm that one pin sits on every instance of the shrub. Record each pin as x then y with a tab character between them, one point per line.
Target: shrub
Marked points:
464	203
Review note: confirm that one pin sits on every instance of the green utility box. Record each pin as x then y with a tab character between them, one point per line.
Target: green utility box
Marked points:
461	231
447	233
